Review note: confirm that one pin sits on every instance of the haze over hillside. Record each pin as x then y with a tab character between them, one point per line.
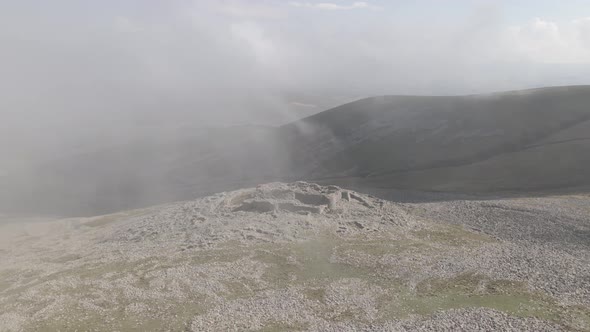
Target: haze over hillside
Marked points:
511	141
472	143
306	165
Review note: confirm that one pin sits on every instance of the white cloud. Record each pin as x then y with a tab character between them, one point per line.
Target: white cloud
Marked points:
545	29
332	6
582	21
262	47
217	61
249	10
544	41
583	29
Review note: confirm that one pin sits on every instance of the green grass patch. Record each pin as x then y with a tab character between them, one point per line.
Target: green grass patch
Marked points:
309	266
283	327
473	291
315	294
452	235
304	262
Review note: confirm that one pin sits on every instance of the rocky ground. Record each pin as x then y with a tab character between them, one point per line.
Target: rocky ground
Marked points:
299	256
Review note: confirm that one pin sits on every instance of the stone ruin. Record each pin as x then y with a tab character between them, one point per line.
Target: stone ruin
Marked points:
298	197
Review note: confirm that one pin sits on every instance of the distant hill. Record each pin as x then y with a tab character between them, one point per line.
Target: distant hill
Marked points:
511	141
381	136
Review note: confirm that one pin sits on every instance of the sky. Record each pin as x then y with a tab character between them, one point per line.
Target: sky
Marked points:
74	72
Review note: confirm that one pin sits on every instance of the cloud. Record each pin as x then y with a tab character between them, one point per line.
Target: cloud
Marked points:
254	36
71	72
545	41
582	21
247	10
583	30
332	6
544	29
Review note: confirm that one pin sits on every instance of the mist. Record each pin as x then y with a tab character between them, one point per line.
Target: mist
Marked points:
82	77
295	165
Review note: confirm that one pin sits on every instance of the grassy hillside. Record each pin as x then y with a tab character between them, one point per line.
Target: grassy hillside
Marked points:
544	167
522	140
383	135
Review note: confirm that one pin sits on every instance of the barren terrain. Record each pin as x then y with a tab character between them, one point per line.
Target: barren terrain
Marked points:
304	257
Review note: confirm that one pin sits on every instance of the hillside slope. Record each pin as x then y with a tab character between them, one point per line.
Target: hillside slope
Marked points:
386	135
518	141
303	257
